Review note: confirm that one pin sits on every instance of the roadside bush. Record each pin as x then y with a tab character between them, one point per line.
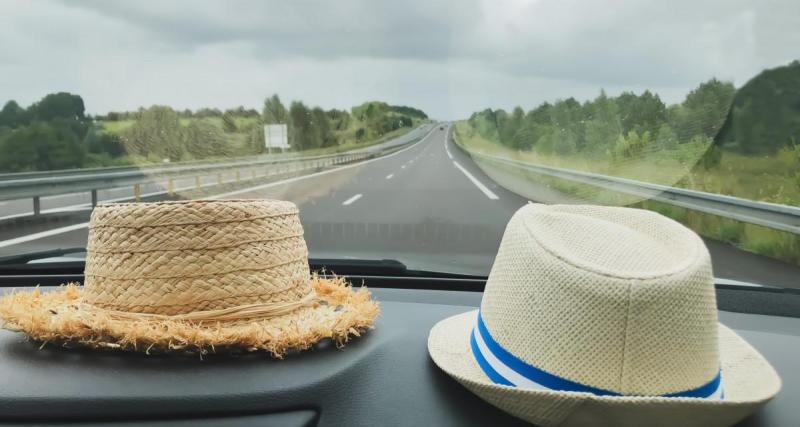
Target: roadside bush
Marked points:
156	132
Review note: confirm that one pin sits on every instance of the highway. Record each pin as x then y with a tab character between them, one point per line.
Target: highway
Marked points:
428	206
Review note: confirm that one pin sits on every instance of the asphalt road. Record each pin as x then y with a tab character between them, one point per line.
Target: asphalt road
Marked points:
427	205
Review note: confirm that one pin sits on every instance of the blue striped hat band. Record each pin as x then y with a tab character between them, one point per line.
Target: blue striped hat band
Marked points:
504	368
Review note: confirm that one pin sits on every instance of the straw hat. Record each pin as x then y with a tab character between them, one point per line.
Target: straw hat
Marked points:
194	276
603	316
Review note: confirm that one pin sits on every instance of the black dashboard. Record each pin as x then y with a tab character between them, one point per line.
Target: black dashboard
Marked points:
383	378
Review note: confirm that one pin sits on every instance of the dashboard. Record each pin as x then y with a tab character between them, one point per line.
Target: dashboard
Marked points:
383	378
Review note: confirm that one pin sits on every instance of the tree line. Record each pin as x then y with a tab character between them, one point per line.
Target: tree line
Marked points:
213	133
762	117
313	127
53	133
765	115
611	127
56	133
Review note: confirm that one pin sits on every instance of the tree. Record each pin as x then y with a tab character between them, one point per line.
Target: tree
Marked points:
678	118
228	122
12	115
641	113
340	119
301	134
19	155
157	132
409	111
485	123
510	125
563	142
544	144
97	142
41	146
255	139
208	112
633	145
666	138
323	137
766	112
524	138
564	118
203	139
58	105
360	134
604	128
708	106
274	112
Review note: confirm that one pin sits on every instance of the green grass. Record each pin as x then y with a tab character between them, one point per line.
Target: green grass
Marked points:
239	141
754	238
116	127
772	179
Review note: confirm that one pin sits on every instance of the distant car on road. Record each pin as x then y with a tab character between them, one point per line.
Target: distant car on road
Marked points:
441	127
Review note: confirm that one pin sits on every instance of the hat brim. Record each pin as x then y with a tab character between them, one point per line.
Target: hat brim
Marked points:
748	382
57	317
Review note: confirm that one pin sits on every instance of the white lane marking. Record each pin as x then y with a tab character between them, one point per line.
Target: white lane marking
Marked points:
403	167
447	146
477	183
43	234
72	208
352	199
55	231
389	176
325	172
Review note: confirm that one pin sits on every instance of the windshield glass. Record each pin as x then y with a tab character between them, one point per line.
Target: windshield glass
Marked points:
408	131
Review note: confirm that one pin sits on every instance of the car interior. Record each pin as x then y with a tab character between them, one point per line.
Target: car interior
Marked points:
159	159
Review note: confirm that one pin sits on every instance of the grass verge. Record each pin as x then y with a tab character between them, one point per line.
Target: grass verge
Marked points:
753	238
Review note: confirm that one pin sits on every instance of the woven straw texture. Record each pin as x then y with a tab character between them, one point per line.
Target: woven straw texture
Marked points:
60	318
179	257
195	276
615	298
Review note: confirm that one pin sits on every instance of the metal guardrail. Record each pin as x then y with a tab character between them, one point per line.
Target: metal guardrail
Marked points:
40	184
282	157
772	215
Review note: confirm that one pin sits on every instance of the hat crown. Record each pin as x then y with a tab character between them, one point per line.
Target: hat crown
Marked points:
174	258
614	298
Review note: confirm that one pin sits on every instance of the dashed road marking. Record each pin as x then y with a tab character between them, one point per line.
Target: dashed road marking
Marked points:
43	234
351	200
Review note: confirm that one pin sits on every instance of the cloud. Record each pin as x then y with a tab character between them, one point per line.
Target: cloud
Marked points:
449	58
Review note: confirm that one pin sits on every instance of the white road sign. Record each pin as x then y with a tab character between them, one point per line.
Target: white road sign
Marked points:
276	136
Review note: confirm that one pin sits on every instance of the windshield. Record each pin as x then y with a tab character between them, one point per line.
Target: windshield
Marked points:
408	131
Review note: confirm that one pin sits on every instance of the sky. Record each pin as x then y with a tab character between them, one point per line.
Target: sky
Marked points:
449	58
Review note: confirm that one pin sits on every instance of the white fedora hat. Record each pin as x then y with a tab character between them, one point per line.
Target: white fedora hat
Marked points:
603	316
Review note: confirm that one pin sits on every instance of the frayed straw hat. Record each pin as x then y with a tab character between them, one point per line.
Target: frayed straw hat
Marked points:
194	276
603	316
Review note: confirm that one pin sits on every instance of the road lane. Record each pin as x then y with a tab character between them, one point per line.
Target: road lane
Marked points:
419	207
416	207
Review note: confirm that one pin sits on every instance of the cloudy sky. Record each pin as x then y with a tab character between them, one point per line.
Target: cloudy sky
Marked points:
447	57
